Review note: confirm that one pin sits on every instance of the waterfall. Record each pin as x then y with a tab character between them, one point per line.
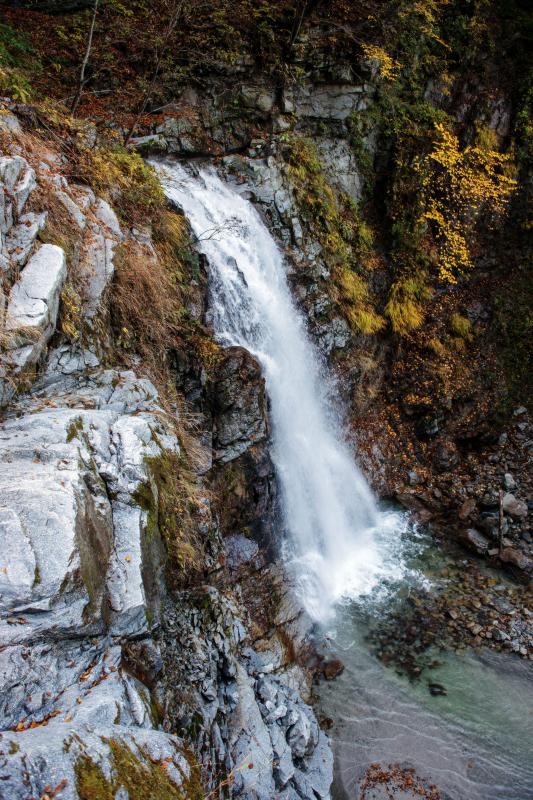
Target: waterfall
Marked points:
331	519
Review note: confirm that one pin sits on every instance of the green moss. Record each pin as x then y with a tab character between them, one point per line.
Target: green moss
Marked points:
169	501
74	428
346	239
91	783
143	778
13	748
37	576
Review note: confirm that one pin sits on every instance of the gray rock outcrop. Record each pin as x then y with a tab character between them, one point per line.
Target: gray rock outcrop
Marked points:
108	675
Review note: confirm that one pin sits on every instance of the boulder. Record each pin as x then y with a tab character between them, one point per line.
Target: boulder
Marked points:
257	98
516	508
18	180
515	558
467	508
31	315
34	299
509	482
475	541
239	405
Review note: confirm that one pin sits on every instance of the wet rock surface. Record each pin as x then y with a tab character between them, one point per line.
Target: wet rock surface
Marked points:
465	608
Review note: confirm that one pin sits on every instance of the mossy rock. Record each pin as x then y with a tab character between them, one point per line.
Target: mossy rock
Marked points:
143	778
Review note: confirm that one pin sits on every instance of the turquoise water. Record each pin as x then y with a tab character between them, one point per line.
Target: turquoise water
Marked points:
474	743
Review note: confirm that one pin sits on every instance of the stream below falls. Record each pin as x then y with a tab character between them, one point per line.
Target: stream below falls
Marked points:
473	743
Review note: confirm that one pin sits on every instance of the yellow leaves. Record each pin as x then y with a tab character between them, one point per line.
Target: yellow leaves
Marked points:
456	184
388	66
26	726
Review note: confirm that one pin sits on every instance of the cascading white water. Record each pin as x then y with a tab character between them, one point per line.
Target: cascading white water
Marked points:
331	519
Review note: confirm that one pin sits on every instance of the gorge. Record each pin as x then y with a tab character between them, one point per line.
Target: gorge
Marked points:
265	400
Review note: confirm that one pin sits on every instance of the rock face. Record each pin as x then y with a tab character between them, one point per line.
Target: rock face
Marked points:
73	574
243	473
28	313
108	677
239	406
250	723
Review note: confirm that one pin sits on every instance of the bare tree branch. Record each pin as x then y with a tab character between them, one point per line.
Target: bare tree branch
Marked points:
77	98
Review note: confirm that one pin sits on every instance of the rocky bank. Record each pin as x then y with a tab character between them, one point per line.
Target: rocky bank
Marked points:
112	678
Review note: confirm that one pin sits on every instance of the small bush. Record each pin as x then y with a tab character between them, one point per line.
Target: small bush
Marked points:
462	327
17	61
122	177
405	307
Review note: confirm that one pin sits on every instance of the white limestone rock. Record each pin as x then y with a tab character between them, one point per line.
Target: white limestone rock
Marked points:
72	209
252	747
108	219
96	267
34	299
19	181
339	163
68	477
45	758
20	239
9	123
31	316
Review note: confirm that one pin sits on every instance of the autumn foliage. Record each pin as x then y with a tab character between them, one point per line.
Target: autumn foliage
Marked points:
456	186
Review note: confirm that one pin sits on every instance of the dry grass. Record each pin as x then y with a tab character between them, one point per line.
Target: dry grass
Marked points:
406	304
145	304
